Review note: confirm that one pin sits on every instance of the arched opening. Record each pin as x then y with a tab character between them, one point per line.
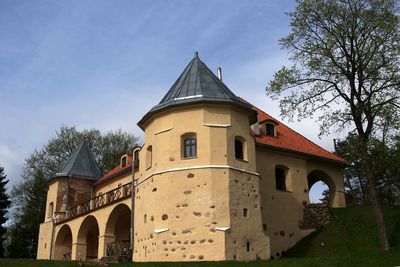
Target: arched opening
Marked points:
63	244
320	186
118	232
319	193
50	210
88	235
149	157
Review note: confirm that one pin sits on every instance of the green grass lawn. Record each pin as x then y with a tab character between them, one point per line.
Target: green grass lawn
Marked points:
349	240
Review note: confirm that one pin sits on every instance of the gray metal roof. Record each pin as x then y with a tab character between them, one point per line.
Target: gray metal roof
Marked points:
80	164
197	83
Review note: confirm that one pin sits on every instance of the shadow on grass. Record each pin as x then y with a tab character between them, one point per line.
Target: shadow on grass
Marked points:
306	243
395	235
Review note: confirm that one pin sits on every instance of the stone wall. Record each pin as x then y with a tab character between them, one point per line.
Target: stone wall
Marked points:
315	216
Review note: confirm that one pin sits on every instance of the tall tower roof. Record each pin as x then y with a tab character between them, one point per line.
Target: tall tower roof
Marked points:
80	164
197	83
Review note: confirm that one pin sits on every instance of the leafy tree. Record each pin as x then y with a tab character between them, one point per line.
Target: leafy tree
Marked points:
346	68
385	158
325	197
4	205
28	214
29	195
354	174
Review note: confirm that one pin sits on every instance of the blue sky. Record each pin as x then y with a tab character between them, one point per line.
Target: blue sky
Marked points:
104	64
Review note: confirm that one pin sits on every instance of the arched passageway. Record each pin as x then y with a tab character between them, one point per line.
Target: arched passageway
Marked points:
319	181
319	193
118	232
63	244
88	239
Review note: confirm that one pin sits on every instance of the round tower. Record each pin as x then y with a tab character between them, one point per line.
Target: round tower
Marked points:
197	191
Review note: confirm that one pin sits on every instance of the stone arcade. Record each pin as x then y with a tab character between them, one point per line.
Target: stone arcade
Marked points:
216	179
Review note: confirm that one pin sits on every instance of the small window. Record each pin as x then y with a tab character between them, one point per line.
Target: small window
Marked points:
248	246
238	149
269	129
145	218
51	210
149	157
190	148
280	178
124	160
189	145
245	213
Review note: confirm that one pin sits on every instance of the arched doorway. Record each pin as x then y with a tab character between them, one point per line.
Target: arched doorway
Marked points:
318	182
63	244
118	232
88	238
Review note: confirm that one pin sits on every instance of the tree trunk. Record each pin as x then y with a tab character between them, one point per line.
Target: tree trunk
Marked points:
362	191
383	237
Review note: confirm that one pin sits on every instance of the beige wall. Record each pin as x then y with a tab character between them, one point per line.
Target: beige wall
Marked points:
282	211
44	241
204	216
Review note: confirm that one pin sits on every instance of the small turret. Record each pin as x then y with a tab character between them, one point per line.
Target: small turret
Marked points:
71	185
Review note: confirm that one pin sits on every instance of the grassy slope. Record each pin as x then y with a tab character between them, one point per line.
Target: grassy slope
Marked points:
350	240
353	234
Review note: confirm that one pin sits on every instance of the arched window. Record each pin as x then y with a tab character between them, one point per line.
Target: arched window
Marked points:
136	155
280	178
189	145
51	210
149	156
240	148
124	161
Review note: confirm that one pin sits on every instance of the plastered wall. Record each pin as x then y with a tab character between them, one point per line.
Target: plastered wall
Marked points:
282	211
183	206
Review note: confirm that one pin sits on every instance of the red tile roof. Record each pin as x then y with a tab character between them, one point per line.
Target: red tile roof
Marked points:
288	139
114	172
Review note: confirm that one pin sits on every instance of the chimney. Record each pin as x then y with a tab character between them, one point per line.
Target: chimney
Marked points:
219	73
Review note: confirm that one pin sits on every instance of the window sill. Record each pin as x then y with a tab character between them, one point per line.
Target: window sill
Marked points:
242	160
188	158
283	191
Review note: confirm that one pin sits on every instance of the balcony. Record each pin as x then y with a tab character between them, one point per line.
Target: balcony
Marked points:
105	199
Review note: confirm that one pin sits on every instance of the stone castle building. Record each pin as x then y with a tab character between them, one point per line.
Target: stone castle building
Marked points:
216	179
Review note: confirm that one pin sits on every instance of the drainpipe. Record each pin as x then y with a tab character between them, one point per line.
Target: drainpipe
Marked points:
132	203
52	236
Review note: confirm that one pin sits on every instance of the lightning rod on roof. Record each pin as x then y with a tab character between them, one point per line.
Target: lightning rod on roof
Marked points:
196	54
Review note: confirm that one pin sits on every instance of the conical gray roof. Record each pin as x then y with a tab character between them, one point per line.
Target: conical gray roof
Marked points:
80	164
197	83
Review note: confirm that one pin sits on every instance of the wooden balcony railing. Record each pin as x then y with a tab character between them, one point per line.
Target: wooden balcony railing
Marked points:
99	201
118	250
